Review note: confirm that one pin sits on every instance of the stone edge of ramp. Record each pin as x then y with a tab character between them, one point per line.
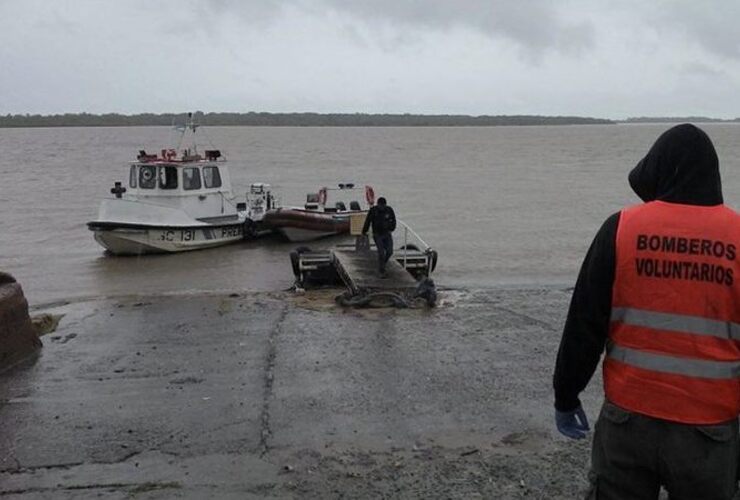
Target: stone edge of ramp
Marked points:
18	337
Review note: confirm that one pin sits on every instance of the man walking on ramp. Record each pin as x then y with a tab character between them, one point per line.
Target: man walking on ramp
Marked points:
383	220
660	290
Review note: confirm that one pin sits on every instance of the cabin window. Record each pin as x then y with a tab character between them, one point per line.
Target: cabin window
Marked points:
132	177
191	178
167	178
147	176
211	177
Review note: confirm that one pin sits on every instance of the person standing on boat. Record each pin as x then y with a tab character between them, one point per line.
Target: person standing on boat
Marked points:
660	290
383	221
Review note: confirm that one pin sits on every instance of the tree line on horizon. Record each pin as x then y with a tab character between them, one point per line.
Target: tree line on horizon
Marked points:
679	119
264	119
257	119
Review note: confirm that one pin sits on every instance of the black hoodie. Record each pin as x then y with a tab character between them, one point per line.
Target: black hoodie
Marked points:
681	167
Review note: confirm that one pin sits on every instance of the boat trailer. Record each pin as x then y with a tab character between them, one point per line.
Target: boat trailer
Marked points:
407	279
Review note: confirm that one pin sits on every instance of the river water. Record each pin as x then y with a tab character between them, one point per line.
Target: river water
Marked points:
504	206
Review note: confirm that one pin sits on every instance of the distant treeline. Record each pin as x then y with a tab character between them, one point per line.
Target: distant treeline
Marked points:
288	120
679	119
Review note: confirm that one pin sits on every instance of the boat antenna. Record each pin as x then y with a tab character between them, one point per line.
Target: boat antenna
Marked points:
183	128
191	125
210	141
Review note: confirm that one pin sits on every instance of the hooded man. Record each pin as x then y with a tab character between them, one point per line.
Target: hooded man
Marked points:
383	221
660	290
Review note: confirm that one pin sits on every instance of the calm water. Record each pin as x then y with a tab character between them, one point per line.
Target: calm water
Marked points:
503	205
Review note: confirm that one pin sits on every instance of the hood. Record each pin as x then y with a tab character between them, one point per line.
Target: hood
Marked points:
681	167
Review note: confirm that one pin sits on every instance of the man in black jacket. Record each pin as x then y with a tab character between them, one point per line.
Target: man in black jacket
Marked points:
658	355
383	221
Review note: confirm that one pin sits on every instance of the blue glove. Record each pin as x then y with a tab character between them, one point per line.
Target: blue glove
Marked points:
572	424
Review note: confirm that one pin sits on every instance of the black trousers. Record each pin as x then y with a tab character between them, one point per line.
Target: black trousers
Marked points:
384	244
634	455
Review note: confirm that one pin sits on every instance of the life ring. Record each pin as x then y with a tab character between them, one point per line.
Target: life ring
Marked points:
147	174
370	195
322	196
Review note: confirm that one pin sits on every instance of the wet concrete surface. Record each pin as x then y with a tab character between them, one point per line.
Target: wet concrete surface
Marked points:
283	396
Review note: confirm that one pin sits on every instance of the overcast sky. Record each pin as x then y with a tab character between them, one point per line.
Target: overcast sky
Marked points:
609	59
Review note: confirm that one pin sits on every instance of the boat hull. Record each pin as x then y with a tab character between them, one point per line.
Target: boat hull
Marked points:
130	239
299	225
298	235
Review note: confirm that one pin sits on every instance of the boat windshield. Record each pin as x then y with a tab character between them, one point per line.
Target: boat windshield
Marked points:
167	177
211	177
191	178
147	176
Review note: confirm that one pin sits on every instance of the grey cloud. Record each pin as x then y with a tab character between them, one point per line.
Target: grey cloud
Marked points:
383	55
711	24
535	26
724	41
702	70
207	16
255	11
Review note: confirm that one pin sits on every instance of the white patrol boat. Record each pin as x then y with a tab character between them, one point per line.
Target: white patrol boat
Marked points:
176	202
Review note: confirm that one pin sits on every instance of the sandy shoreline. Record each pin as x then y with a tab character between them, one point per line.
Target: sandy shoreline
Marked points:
282	396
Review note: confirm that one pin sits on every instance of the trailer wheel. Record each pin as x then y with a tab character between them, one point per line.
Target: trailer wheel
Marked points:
294	258
432	260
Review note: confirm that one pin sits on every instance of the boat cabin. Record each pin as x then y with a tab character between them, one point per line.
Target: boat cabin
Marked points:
168	175
149	178
200	185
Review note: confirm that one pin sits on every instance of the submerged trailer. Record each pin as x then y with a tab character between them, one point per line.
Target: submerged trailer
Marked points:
356	266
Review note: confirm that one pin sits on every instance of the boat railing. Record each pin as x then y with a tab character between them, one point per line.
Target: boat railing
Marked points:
413	247
413	253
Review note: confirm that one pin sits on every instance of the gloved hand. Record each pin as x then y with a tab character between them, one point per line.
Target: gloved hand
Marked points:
572	424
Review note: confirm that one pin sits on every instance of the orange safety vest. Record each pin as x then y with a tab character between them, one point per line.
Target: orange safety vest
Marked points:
673	350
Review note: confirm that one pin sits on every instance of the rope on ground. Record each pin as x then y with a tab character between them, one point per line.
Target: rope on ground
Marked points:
425	291
375	299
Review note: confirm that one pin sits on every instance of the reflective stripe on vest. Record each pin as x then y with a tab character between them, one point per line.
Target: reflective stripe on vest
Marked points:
674	337
673	364
677	322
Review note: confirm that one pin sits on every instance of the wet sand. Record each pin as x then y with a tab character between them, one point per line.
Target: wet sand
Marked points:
274	395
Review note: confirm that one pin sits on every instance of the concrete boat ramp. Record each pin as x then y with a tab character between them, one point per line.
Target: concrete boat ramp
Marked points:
284	396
